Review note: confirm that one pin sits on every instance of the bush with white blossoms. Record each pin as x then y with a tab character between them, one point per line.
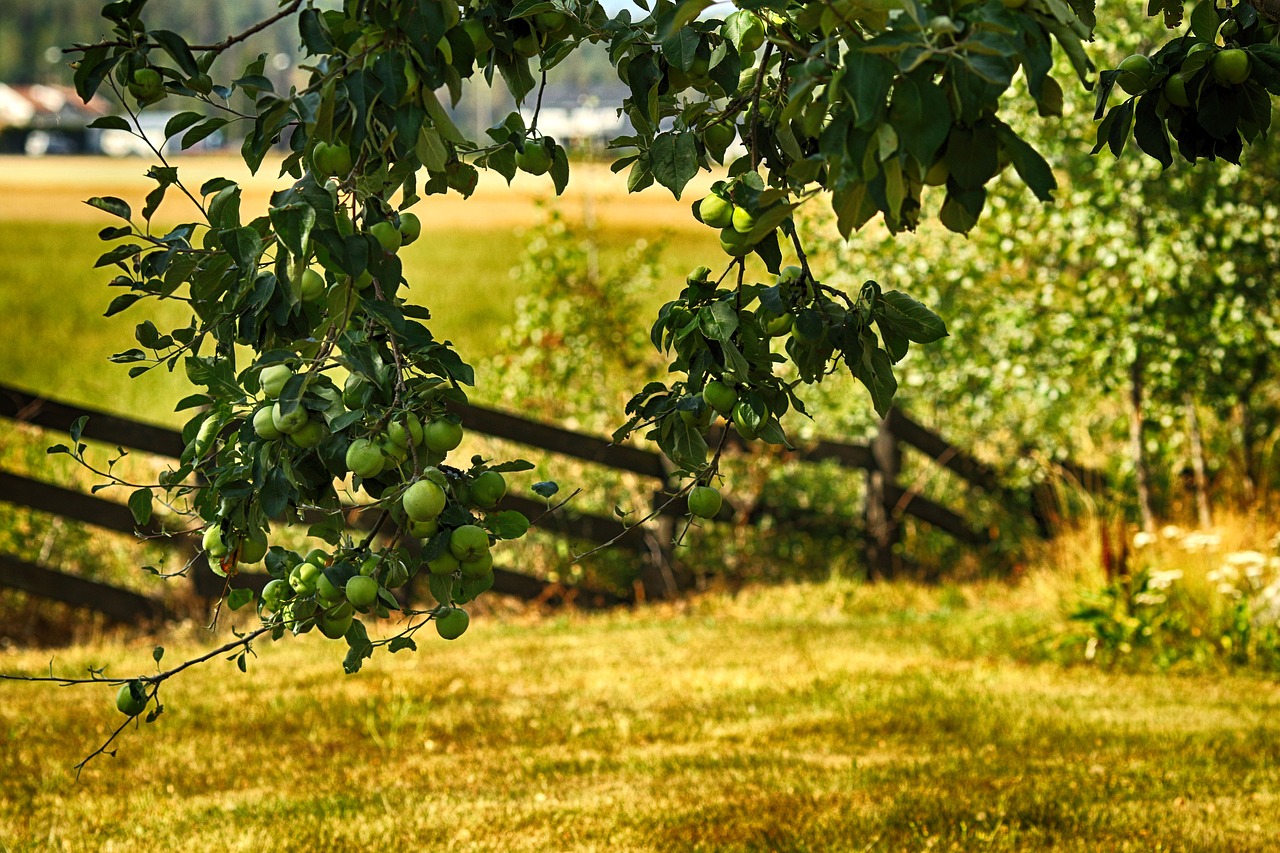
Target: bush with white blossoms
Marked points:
1188	615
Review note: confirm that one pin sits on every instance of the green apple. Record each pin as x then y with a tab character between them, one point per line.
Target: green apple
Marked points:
452	622
487	489
304	577
335	622
478	567
424	529
364	458
734	242
534	159
263	425
405	431
273	377
147	85
720	396
212	542
442	435
479	37
253	547
290	423
311	285
328	591
550	21
704	501
1231	67
716	211
444	564
275	593
309	435
743	220
423	501
362	591
388	236
131	699
527	45
1135	74
469	542
410	227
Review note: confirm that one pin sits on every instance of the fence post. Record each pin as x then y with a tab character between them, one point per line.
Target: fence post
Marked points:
884	529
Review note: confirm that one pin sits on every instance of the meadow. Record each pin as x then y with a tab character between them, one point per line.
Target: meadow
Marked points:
829	715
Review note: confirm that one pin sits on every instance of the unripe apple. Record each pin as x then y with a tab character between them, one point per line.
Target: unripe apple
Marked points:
444	564
311	285
469	542
487	489
362	591
212	542
716	211
388	236
309	435
290	423
423	501
534	159
272	378
410	227
442	435
452	623
364	458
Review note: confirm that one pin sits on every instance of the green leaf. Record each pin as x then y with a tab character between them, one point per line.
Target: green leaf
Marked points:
110	123
401	643
1205	21
673	159
545	488
111	204
293	224
238	598
719	320
359	648
875	370
508	524
681	47
910	318
1031	167
140	506
181	122
177	47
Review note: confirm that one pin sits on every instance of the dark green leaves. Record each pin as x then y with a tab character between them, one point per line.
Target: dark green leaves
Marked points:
673	159
910	318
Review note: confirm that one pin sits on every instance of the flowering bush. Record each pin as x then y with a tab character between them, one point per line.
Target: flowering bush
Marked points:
1229	613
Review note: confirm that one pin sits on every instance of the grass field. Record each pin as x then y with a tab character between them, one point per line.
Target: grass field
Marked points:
824	717
52	299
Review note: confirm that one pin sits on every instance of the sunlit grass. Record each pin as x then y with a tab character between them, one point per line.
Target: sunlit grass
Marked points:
821	717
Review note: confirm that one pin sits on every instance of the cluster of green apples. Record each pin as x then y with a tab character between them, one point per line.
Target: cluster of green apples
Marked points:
1204	62
737	224
392	455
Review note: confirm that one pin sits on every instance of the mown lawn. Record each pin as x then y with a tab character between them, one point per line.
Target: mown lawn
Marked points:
824	717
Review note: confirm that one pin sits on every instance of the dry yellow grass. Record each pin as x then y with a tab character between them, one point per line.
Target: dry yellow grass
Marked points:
54	189
823	717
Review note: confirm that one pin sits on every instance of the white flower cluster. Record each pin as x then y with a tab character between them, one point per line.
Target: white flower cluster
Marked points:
1252	576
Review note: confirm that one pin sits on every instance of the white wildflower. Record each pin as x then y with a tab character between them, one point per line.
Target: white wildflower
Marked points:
1142	539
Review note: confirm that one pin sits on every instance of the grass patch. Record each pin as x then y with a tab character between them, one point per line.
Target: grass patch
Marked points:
791	718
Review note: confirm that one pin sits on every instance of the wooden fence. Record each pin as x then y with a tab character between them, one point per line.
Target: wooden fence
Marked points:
887	503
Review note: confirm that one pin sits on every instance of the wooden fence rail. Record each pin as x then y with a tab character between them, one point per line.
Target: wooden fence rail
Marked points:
886	501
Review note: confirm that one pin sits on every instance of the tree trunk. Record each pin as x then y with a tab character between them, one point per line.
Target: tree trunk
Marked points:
1246	454
1199	474
1136	445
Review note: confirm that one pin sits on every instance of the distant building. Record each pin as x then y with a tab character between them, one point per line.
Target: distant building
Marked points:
38	120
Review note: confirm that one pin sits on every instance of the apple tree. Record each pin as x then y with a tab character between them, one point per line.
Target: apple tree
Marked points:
319	384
